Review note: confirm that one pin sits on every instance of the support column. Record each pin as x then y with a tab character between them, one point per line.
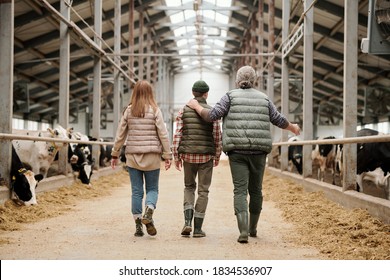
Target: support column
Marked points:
63	113
131	41
6	84
350	92
260	42
308	27
271	66
141	46
149	50
117	76
97	84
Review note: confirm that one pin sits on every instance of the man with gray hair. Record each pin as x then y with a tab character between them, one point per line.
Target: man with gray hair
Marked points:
246	138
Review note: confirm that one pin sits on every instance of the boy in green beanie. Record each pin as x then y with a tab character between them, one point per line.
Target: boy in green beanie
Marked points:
197	147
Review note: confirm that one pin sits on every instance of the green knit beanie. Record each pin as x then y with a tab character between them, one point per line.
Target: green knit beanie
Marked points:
200	86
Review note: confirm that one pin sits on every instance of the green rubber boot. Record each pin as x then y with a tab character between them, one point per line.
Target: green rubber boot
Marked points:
242	221
188	214
198	232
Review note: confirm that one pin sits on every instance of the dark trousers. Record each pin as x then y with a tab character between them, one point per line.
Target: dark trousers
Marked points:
247	173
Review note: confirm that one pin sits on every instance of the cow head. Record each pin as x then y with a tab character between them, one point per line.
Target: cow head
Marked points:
80	164
85	173
61	133
23	184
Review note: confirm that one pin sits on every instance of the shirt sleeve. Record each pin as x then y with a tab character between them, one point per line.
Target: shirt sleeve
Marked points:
276	117
220	109
177	135
217	134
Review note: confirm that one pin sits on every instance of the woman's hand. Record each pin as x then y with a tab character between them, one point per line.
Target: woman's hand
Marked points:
168	163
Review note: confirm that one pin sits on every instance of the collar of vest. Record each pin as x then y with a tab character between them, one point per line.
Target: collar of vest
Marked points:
201	100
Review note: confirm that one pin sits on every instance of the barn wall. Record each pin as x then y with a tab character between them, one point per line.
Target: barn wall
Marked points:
218	83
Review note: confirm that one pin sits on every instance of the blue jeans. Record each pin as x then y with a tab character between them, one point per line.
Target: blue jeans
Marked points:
137	188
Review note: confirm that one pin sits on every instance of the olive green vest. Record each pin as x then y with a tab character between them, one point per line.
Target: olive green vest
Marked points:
247	124
197	134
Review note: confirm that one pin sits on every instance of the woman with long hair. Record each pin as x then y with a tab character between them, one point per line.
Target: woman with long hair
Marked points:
142	130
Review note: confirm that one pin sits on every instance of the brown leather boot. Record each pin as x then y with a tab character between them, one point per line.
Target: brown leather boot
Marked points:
138	228
147	220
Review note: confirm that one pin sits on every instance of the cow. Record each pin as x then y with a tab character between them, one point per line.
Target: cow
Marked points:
295	154
372	162
370	158
325	155
79	155
40	154
80	164
23	181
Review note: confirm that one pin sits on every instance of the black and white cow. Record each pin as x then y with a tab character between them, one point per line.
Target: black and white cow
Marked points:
23	181
40	154
295	154
373	161
325	155
80	164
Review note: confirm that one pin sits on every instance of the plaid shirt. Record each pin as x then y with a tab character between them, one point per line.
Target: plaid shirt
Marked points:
196	158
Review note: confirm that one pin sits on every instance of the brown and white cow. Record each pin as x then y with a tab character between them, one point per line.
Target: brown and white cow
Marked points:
325	155
40	154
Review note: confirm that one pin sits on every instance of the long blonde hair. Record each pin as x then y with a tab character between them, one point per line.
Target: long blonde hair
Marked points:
142	98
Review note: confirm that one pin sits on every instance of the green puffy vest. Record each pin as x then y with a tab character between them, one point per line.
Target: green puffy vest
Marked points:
197	134
247	125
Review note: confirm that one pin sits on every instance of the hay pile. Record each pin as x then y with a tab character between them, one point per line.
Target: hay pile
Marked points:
338	233
55	203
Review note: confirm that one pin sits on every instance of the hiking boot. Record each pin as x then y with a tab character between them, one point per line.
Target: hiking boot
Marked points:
138	228
147	220
150	229
147	217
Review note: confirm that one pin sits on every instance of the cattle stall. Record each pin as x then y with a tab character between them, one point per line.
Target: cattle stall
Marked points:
60	178
345	196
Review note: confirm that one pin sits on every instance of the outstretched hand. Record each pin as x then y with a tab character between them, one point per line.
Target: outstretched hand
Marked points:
294	128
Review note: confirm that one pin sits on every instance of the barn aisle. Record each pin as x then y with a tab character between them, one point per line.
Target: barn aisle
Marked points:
102	229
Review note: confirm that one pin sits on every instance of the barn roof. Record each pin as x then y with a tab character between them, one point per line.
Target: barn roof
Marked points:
190	35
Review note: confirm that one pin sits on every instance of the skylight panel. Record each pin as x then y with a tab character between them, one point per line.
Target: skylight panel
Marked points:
188	14
182	42
223	3
179	31
221	18
210	1
209	14
219	43
178	17
190	28
184	51
173	3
